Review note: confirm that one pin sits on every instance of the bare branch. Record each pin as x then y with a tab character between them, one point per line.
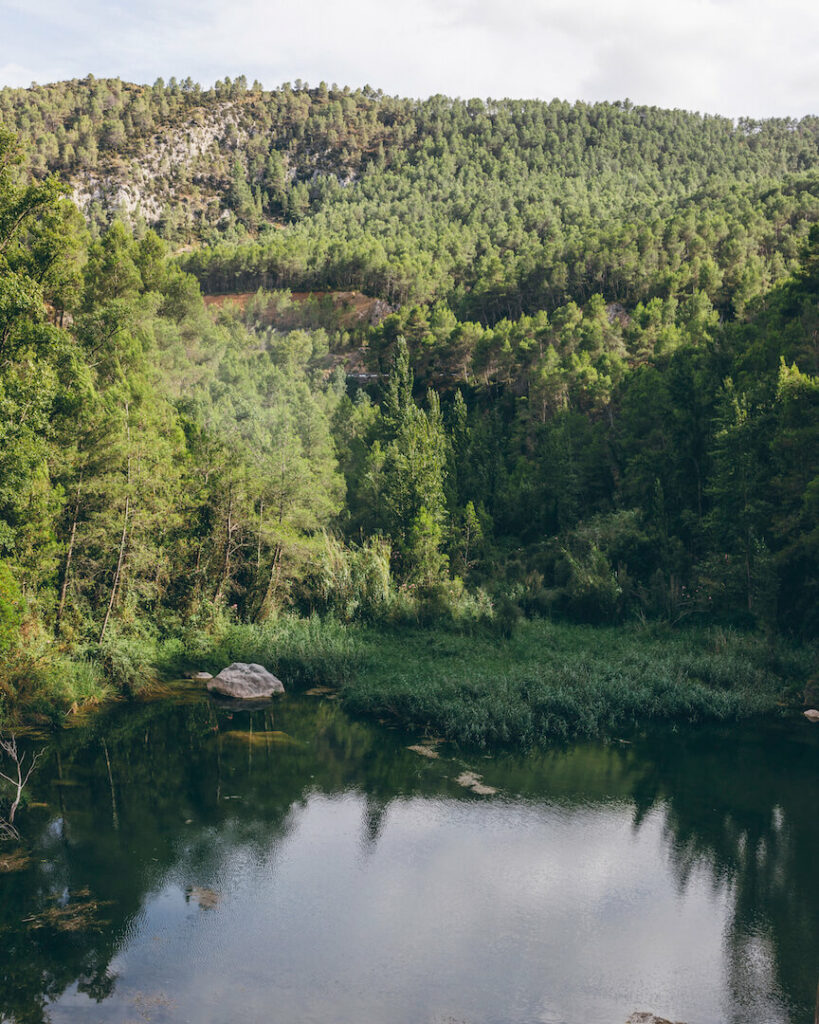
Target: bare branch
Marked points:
8	833
9	748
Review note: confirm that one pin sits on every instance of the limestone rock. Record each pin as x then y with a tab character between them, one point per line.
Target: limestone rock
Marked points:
245	682
812	715
470	780
424	751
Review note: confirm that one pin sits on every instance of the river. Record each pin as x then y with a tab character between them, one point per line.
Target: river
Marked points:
192	863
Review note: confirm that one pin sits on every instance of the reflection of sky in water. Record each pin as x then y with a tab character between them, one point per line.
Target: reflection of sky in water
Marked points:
470	910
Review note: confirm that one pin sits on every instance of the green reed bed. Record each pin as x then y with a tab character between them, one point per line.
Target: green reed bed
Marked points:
558	681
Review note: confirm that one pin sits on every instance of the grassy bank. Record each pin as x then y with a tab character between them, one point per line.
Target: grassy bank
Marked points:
556	681
548	681
47	684
302	651
44	684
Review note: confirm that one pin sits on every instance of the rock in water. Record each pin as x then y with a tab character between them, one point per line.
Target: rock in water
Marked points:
245	682
812	715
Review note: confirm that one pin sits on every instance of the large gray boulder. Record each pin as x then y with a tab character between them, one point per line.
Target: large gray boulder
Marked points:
245	682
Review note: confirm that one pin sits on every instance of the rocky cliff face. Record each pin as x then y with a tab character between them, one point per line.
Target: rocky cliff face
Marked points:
177	164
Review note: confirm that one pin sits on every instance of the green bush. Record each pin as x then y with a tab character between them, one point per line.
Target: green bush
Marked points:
76	682
128	662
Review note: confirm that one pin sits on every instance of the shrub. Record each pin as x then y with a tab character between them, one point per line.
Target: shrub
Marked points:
11	610
354	582
128	662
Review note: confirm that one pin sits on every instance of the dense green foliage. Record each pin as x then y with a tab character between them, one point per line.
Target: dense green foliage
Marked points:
585	385
498	207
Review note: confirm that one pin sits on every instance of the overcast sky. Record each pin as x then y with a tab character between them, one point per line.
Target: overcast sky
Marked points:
734	57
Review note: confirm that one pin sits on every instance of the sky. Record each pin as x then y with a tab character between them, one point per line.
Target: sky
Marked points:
753	58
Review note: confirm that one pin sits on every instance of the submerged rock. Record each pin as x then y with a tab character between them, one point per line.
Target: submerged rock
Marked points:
77	911
424	751
471	780
812	715
261	739
245	682
206	898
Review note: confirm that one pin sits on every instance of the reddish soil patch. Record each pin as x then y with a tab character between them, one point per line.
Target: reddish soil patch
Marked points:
349	308
239	299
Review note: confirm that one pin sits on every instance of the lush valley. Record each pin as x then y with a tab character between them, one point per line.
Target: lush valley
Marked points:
501	372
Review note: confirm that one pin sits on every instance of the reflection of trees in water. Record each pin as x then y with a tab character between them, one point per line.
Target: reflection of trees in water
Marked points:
375	816
147	794
741	809
746	810
75	851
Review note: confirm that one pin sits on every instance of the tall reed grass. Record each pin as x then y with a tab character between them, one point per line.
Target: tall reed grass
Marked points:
558	681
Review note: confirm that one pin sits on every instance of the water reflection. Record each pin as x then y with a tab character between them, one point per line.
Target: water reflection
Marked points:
190	863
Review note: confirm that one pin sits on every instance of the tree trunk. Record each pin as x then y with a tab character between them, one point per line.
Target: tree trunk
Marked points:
259	539
118	572
273	582
68	556
124	537
748	575
228	540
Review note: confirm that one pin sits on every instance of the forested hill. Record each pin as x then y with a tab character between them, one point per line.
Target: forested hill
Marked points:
498	207
496	359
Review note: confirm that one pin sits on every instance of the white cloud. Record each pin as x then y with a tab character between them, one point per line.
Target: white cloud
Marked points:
15	74
722	56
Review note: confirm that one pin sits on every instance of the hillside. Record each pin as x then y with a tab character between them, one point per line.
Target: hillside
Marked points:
456	362
497	207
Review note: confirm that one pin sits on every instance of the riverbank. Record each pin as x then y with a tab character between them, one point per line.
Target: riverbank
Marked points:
559	681
547	681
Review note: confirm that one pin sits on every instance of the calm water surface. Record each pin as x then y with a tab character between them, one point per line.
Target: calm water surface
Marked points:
189	864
